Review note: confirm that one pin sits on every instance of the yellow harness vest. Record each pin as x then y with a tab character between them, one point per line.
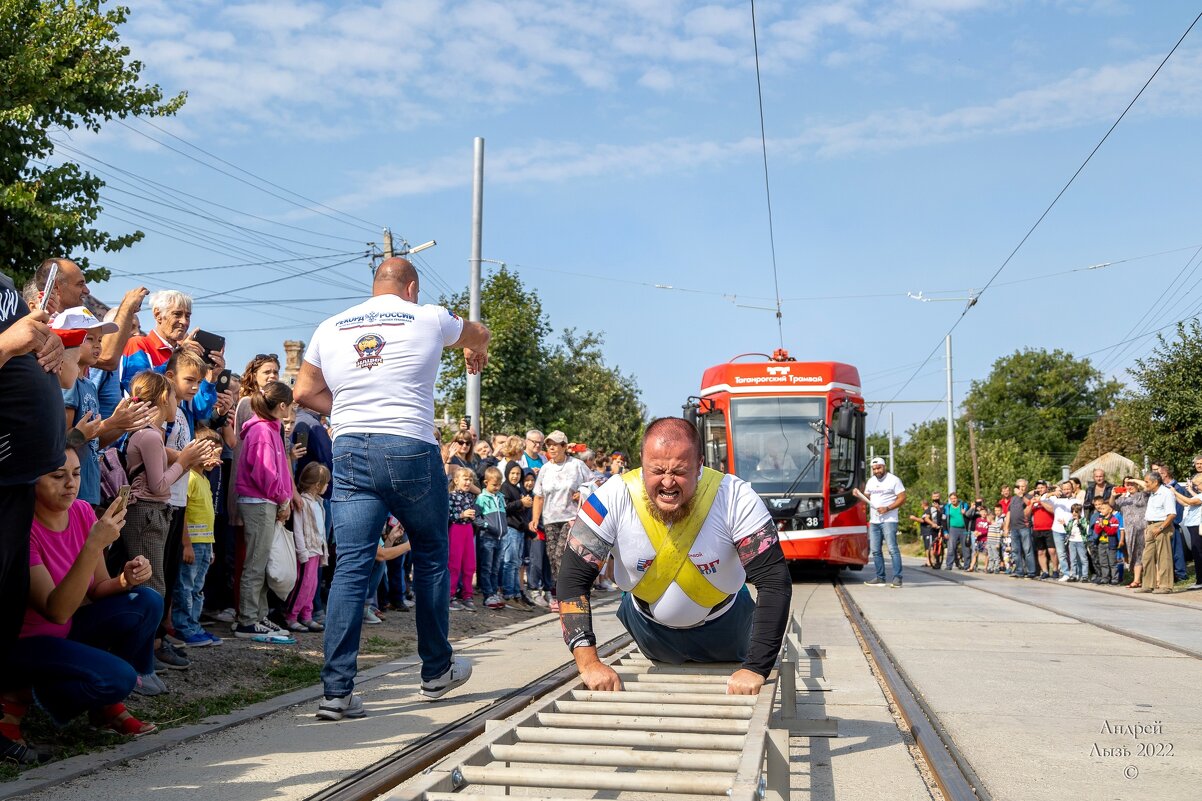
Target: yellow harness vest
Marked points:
672	563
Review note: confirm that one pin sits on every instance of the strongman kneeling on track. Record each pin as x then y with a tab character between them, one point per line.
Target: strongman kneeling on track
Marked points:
685	539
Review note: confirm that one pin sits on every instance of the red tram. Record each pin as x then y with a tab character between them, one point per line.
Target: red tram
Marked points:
795	430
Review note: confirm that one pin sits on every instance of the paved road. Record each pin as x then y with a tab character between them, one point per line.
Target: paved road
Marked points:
1036	699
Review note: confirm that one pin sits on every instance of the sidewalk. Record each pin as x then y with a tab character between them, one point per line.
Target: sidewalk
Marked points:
280	751
1034	699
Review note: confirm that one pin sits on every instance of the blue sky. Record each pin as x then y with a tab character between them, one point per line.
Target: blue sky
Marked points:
911	144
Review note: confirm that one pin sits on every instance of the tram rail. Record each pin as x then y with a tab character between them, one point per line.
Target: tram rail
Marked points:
671	732
952	773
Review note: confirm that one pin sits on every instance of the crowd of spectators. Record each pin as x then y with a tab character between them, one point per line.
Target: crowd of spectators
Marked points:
1138	533
147	492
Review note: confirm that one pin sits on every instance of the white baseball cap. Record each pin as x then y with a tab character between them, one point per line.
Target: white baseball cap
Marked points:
80	318
877	460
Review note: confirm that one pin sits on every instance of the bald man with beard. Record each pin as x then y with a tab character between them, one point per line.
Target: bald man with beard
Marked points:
372	369
685	539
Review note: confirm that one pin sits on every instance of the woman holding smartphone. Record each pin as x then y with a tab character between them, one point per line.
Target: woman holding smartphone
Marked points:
87	639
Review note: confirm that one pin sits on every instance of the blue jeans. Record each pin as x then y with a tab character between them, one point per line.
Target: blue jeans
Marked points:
955	541
723	639
1080	563
887	531
378	571
111	642
511	561
396	580
1022	551
1179	572
538	575
189	595
374	475
1059	537
488	564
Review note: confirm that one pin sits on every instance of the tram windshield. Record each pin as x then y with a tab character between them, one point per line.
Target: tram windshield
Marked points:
777	439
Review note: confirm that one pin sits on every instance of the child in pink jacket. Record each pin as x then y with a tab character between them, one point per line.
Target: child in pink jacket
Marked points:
264	490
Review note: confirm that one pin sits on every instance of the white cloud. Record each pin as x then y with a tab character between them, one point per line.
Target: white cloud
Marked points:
1084	97
657	78
302	62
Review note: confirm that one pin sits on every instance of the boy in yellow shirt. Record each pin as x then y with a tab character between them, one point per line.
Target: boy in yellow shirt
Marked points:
197	556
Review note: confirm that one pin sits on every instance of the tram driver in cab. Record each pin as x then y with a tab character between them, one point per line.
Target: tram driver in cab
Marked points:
685	541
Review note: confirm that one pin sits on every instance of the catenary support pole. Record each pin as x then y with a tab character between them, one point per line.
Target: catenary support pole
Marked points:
473	381
951	422
891	442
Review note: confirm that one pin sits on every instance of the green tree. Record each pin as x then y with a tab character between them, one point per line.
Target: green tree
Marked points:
515	387
530	383
1043	400
595	403
1165	415
1111	432
61	68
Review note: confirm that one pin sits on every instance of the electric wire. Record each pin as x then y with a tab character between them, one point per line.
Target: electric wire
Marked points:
370	225
1052	205
304	274
123	273
767	190
152	184
313	207
206	234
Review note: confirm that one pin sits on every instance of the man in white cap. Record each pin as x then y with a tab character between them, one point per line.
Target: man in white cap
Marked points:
884	495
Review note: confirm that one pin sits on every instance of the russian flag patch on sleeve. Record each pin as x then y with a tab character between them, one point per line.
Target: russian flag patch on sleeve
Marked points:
593	509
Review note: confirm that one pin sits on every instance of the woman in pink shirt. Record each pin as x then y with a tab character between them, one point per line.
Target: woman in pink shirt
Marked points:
87	636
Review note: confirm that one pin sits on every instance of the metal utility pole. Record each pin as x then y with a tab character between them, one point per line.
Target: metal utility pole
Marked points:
951	421
891	443
972	449
473	291
951	404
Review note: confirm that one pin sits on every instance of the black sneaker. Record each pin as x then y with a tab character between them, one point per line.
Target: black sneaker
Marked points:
875	582
897	583
252	631
170	658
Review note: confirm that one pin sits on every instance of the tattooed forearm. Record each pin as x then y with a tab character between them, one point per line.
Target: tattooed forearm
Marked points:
755	544
588	545
576	618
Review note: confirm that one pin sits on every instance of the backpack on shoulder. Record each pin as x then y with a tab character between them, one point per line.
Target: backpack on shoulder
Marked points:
115	472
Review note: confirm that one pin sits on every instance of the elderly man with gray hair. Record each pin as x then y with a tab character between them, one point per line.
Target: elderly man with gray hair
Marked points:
172	311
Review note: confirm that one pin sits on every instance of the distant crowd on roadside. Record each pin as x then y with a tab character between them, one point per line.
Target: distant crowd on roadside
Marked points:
1139	533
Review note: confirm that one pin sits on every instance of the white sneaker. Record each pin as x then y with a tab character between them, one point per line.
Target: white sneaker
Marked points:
459	672
1063	577
370	617
348	706
538	600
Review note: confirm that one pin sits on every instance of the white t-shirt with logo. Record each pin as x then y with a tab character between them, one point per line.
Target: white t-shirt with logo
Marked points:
883	491
737	513
380	360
